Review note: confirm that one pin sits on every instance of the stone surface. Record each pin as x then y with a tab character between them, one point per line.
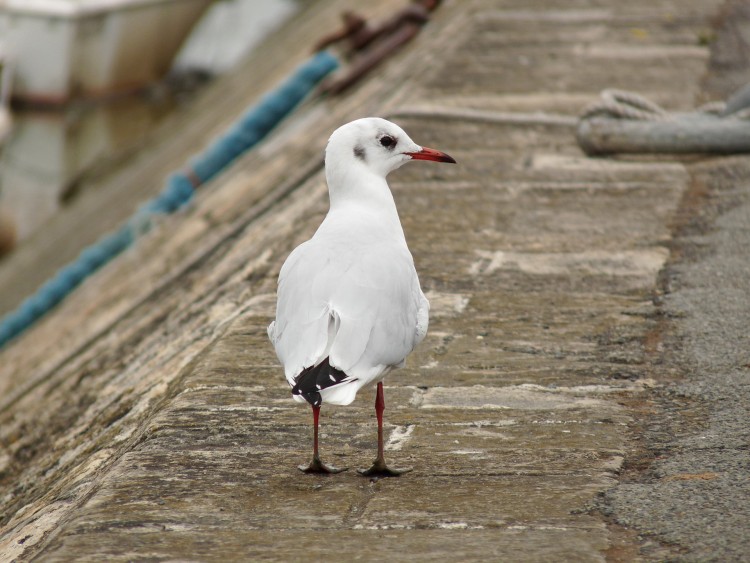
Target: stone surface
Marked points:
695	493
146	418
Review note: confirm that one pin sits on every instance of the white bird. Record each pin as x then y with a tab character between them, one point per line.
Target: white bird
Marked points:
350	308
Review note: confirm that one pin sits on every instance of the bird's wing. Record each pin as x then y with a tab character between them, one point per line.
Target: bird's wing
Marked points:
378	303
363	308
299	333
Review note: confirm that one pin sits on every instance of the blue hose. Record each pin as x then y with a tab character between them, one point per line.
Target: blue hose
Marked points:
251	128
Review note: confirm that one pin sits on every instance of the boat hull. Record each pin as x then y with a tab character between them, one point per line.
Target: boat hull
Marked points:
62	50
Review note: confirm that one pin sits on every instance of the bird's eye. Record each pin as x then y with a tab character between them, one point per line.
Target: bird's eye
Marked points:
387	141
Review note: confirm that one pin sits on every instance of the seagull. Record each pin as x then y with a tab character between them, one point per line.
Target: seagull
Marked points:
349	306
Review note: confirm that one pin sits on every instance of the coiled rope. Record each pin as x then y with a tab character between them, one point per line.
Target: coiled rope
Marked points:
622	104
626	122
251	128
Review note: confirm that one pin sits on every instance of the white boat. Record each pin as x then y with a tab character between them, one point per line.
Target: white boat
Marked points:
62	49
229	31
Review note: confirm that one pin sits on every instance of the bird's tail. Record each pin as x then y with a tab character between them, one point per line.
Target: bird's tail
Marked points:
311	381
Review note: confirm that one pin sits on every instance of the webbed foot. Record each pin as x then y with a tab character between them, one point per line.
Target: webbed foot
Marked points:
317	466
380	469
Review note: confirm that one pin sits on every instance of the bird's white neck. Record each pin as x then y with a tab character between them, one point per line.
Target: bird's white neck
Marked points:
356	187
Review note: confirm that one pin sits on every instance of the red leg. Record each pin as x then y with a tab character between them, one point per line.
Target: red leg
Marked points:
379	467
317	466
316	420
379	408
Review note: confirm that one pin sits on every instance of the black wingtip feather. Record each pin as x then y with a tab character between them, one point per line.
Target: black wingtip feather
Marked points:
314	379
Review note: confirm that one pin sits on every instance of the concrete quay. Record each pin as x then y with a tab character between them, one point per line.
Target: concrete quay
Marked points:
573	312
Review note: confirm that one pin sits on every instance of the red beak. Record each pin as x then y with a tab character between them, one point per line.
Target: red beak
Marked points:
431	154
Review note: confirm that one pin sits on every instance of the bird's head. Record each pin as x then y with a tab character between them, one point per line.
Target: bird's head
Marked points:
377	144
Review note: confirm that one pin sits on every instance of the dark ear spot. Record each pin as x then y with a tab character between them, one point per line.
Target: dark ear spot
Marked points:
359	152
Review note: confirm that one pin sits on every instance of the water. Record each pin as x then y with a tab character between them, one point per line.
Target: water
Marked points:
50	155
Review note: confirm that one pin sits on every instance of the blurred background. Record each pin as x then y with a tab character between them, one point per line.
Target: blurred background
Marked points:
84	82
